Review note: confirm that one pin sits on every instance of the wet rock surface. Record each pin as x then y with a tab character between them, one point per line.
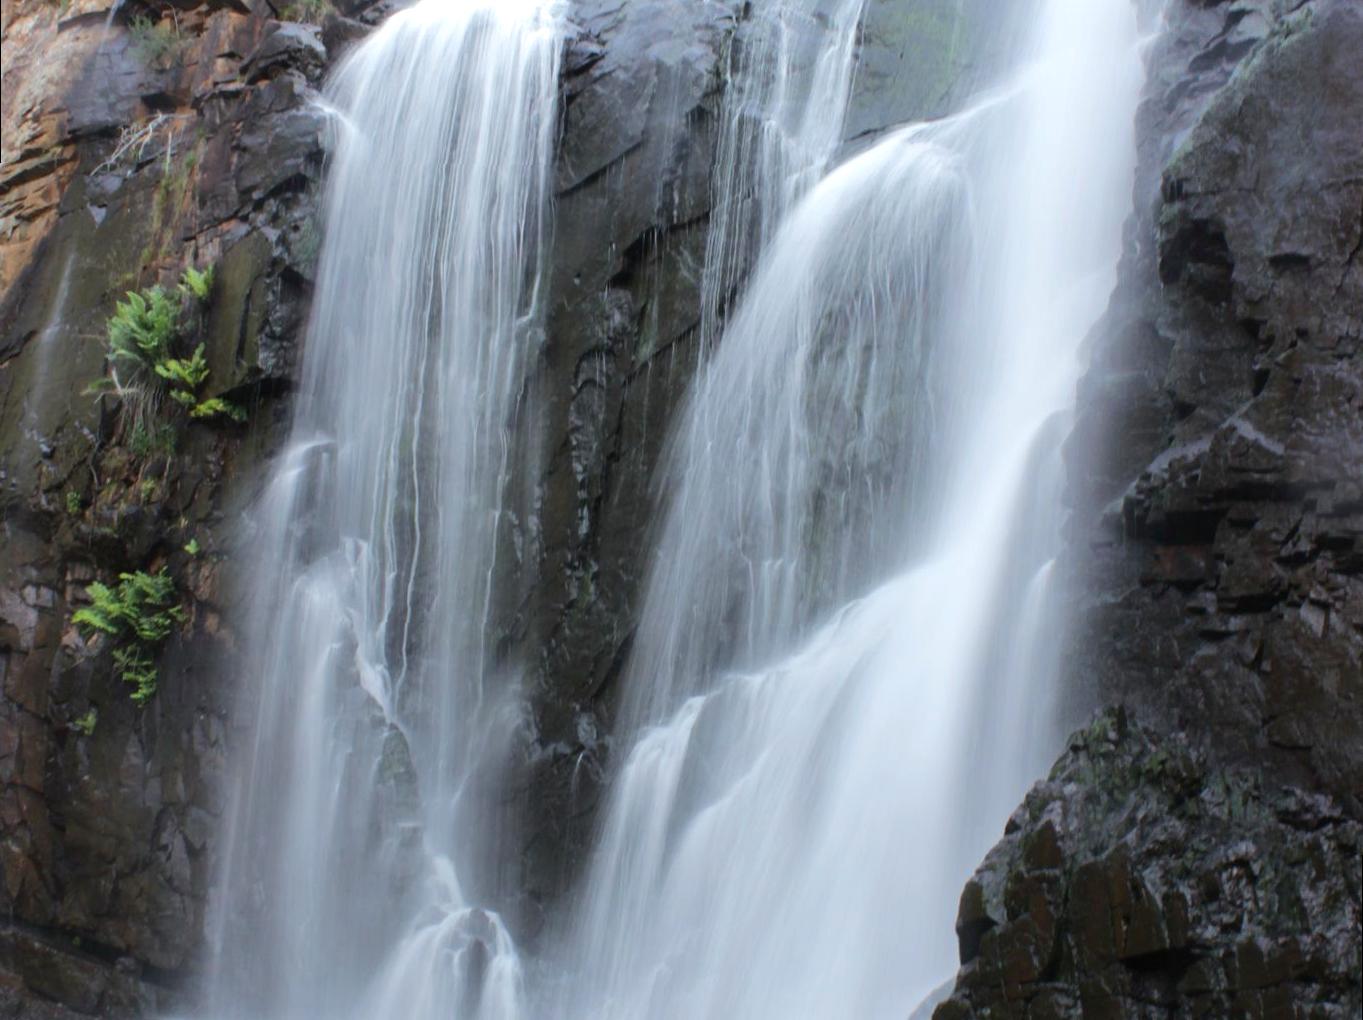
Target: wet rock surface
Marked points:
641	94
1220	449
1208	865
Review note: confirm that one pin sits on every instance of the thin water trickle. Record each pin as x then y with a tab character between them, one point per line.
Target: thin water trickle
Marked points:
780	124
38	395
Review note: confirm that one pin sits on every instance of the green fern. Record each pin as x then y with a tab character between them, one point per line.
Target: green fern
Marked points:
85	724
197	284
188	373
141	333
141	613
143	369
151	605
215	406
143	328
104	612
137	667
184	374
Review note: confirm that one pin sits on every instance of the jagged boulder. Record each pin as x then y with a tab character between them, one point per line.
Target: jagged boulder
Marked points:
290	46
1138	880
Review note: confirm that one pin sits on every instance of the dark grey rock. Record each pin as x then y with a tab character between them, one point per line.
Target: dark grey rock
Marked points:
280	145
1225	605
290	46
641	92
1137	881
340	33
920	61
1205	862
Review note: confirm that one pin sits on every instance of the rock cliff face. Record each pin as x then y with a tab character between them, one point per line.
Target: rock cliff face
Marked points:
1215	472
1205	862
132	148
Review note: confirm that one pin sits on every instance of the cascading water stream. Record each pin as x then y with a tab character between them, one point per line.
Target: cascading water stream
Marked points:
357	860
780	125
38	393
879	431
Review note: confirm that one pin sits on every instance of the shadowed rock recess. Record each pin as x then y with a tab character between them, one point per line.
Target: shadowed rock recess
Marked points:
1195	852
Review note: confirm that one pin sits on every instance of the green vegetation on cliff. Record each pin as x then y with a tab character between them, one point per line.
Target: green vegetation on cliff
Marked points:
155	44
143	334
312	12
197	283
85	723
140	613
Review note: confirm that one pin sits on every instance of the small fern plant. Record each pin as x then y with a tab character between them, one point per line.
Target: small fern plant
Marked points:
143	327
196	283
215	407
143	334
140	334
185	376
139	613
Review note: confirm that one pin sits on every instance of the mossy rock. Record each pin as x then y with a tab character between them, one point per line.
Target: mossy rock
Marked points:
237	313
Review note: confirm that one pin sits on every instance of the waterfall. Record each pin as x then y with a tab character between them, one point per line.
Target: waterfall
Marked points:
39	400
843	673
358	866
845	661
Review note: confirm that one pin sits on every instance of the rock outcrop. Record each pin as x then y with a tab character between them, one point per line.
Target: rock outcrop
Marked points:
1226	595
1139	881
642	84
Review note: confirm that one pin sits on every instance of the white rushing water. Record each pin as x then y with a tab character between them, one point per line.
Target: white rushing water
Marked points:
356	862
844	667
780	124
